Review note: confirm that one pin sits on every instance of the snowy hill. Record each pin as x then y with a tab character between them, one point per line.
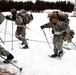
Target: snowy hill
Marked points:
35	60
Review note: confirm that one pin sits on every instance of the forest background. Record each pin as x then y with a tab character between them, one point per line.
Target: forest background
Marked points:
37	6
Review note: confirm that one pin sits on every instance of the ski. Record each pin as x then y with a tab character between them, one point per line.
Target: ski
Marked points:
12	61
23	48
55	57
59	56
67	48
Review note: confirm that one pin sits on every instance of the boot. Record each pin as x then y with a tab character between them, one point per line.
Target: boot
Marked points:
54	55
25	47
9	58
6	61
60	53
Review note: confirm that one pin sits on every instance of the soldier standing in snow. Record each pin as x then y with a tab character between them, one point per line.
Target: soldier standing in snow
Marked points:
21	25
59	30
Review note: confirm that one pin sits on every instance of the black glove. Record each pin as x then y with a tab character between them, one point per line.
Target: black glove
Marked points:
8	17
64	33
13	18
52	31
42	27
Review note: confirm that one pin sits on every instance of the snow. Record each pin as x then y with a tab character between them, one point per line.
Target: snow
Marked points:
35	60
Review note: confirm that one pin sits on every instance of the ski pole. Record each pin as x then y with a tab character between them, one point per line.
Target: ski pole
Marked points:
5	31
73	44
12	35
46	38
29	29
2	40
12	63
37	41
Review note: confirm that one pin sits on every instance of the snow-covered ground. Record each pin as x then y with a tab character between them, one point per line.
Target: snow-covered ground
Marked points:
35	60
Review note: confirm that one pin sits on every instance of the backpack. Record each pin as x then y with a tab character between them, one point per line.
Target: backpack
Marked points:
61	17
69	36
64	17
22	18
1	17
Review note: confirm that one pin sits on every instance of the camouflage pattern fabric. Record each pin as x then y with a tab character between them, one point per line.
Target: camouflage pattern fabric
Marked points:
3	51
1	17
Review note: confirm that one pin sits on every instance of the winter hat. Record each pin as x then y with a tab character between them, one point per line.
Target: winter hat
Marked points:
13	10
54	14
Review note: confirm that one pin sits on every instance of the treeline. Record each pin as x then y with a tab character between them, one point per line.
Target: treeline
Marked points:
38	5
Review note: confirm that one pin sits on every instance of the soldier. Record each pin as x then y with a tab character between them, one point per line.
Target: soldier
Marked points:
21	25
59	30
3	51
21	31
21	28
1	17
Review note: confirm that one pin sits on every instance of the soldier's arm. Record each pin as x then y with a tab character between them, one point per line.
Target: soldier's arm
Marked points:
47	25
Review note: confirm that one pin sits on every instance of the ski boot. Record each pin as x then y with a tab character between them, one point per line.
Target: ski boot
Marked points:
25	47
60	53
54	55
9	58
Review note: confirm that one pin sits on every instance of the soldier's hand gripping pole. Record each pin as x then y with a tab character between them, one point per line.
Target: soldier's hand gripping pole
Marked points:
46	38
20	69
